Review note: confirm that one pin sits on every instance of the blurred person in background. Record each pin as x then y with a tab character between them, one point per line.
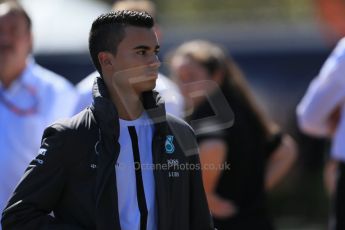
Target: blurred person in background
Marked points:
31	97
259	153
321	113
166	88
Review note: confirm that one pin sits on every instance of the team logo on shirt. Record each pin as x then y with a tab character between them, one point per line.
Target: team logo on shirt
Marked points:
169	146
42	151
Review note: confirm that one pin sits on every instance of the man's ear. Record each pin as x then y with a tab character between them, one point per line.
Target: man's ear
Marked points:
105	60
30	42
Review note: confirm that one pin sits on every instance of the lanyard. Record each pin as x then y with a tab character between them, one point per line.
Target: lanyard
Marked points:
16	109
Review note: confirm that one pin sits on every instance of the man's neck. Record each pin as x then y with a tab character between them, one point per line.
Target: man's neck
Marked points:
8	79
129	106
8	76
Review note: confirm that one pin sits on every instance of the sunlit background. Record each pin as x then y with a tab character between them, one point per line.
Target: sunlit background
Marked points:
279	44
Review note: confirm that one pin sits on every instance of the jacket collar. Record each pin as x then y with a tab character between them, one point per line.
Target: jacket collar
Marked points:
107	116
155	107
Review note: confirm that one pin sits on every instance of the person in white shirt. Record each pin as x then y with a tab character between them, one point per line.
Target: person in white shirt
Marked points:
31	98
167	88
321	113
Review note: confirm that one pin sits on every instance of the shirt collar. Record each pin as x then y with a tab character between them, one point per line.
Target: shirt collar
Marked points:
24	78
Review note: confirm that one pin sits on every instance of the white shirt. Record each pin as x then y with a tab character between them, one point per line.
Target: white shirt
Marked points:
20	135
126	176
338	140
325	93
174	102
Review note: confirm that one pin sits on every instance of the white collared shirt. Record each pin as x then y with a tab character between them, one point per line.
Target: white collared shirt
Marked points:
325	93
20	135
126	176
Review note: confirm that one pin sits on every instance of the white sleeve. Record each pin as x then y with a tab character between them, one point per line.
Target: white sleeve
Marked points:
325	93
174	102
338	141
84	89
66	98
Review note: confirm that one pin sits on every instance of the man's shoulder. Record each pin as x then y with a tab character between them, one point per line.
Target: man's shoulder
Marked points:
81	126
173	120
184	134
48	77
85	85
341	43
339	51
68	140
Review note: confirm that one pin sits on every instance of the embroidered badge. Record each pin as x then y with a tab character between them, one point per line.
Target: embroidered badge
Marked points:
169	146
42	151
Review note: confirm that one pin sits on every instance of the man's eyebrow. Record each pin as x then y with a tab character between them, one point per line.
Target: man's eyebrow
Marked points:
143	47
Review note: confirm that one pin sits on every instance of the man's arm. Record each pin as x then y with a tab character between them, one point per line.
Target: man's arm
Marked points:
330	176
324	95
38	191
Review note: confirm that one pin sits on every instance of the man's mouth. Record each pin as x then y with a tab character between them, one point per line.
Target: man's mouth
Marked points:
6	47
5	50
152	73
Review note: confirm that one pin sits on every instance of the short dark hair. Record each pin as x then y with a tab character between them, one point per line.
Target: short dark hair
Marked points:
14	7
108	30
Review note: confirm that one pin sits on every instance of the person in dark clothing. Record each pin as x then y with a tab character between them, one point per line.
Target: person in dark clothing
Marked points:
258	153
118	163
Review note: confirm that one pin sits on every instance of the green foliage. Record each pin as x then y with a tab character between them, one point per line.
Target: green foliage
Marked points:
192	11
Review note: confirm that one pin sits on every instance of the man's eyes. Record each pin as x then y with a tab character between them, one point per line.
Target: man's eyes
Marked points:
142	52
145	52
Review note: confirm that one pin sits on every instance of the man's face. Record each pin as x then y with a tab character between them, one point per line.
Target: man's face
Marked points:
135	65
15	40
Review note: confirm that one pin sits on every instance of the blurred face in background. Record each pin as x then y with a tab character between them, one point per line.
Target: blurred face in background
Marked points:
192	79
15	43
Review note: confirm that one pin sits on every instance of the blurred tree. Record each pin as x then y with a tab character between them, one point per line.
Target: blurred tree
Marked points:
235	10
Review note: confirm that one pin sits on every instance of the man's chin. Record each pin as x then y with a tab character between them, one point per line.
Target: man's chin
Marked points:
153	77
151	85
147	86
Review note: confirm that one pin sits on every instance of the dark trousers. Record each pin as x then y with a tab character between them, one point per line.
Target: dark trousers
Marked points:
244	223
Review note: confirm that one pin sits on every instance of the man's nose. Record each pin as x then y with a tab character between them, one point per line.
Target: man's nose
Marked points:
5	37
154	60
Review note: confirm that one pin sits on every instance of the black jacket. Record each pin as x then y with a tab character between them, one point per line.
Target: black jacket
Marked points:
72	182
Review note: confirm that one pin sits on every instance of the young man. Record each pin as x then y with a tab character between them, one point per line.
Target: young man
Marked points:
167	89
31	98
118	164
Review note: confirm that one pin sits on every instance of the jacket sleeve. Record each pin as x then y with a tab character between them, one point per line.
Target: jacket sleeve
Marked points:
38	192
201	218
